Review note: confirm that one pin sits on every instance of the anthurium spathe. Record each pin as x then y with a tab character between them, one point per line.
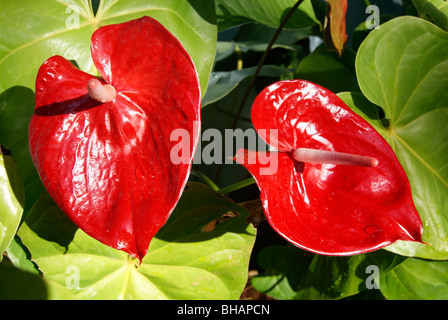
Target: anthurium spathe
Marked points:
102	145
338	188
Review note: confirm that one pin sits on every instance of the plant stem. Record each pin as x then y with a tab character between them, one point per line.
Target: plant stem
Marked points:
205	179
367	3
263	59
257	72
236	186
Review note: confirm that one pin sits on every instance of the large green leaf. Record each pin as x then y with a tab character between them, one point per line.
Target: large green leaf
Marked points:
269	12
403	68
417	279
65	27
201	253
11	201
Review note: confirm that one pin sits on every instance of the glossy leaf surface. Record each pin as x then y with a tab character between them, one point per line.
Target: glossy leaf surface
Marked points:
108	166
200	253
412	91
417	279
328	209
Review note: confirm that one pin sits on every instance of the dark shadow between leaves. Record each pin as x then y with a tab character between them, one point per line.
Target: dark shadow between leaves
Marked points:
298	19
48	221
204	9
286	262
16	284
230	19
338	79
16	109
179	229
214	223
372	111
201	215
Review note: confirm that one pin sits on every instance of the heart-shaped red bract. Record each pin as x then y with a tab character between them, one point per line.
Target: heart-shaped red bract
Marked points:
107	165
327	209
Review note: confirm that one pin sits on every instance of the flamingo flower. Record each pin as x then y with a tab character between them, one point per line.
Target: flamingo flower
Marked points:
337	188
101	145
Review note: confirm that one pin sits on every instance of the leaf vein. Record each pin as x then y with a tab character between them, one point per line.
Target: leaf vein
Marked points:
421	160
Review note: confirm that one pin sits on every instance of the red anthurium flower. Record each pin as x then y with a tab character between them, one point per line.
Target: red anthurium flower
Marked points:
337	188
102	145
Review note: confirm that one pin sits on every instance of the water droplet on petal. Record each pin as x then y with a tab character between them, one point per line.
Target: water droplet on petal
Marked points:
372	230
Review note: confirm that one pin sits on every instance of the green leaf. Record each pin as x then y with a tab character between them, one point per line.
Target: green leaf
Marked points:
201	253
65	27
221	83
434	10
417	279
291	273
231	13
11	201
403	68
329	70
340	277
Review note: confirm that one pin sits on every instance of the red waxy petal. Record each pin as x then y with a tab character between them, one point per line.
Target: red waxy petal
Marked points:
108	165
328	209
